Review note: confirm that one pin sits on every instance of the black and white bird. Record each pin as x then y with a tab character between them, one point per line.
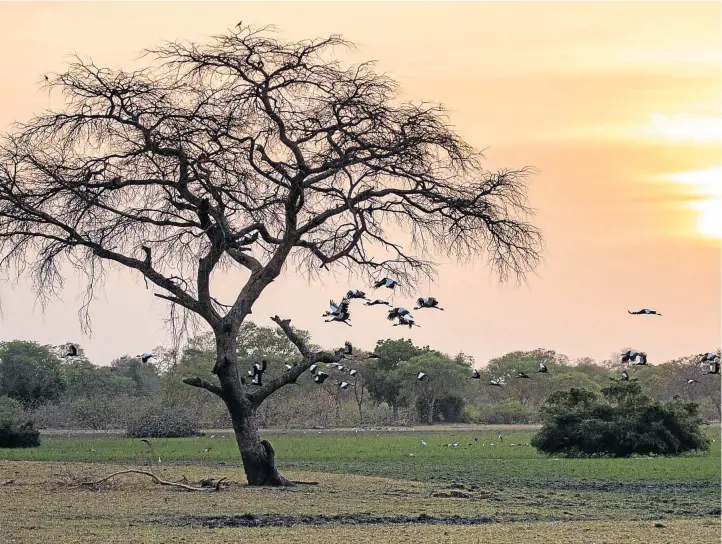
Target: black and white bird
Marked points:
320	377
377	302
342	317
475	375
421	376
144	357
347	348
542	367
289	367
642	359
625	376
344	385
312	368
352	372
72	351
386	282
406	320
708	357
427	302
691	381
630	355
714	367
336	309
644	311
355	293
523	375
395	313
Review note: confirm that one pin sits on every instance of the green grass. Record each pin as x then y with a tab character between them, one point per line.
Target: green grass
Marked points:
524	495
395	455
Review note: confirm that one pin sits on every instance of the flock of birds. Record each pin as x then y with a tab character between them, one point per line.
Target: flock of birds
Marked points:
341	313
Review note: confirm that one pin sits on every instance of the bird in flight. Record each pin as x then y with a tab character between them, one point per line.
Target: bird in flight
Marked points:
336	309
427	302
145	357
355	293
376	302
406	320
386	282
644	311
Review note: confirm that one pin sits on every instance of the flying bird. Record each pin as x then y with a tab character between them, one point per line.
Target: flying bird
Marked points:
386	282
644	311
377	302
343	317
344	385
421	376
708	357
336	309
355	293
428	302
395	313
691	381
145	357
630	355
642	359
352	373
406	320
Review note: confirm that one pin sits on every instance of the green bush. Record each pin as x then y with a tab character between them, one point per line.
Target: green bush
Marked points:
154	421
17	434
577	423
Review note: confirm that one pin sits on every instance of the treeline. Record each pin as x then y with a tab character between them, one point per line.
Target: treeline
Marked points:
38	383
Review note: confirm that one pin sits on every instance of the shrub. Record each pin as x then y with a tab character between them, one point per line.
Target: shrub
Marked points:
154	421
18	434
10	409
577	423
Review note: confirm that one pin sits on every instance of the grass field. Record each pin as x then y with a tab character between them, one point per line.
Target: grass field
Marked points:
374	486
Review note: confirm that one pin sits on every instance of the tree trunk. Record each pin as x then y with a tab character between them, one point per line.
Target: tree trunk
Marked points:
430	418
257	455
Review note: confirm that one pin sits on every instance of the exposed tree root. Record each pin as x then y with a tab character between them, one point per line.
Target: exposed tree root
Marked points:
208	485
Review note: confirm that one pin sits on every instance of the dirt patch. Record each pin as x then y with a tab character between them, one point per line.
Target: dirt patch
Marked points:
250	520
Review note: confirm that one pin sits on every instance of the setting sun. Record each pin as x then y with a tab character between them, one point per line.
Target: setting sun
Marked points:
706	188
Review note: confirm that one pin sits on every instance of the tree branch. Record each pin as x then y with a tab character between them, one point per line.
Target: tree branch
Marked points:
203	384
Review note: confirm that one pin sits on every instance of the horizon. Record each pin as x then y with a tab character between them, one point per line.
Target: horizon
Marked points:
621	120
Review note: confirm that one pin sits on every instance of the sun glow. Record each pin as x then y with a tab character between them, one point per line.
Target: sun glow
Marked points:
684	127
706	188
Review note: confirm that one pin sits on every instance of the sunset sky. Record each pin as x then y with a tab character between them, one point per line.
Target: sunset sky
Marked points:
617	105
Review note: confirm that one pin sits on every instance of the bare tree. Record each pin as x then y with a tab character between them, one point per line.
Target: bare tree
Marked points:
247	152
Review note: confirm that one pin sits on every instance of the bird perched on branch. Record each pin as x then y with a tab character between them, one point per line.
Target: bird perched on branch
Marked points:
72	351
475	375
644	311
543	367
428	302
714	367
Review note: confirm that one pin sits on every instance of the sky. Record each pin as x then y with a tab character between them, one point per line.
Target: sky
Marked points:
616	104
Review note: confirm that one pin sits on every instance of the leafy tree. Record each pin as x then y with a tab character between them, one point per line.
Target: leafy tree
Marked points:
443	378
84	379
143	375
29	373
384	384
252	153
578	423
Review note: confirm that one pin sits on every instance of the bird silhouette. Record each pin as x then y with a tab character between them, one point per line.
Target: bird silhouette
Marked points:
644	311
428	302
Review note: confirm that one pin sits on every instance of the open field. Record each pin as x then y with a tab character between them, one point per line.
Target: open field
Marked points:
371	489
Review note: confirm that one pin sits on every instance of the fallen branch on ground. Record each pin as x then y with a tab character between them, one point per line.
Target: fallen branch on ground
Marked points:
208	485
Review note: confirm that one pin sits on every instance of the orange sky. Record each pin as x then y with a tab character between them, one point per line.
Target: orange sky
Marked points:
616	104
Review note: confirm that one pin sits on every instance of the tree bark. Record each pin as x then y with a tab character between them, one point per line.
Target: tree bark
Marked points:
257	455
430	417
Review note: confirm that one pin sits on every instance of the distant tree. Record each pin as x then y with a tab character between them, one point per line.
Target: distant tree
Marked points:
29	373
444	377
252	153
577	423
84	379
143	375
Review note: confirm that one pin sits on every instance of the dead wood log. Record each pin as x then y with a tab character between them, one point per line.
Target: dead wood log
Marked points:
216	484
